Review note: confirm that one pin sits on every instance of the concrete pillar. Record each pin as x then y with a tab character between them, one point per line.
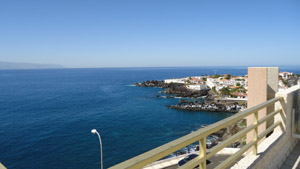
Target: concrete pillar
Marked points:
262	86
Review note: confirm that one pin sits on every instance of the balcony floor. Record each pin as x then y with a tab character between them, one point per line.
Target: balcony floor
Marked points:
293	160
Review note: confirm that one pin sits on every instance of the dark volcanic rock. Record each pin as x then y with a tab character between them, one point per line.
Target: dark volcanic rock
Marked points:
230	130
182	91
292	81
177	89
207	106
210	96
152	83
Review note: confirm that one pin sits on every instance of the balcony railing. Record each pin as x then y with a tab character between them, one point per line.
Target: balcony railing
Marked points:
200	135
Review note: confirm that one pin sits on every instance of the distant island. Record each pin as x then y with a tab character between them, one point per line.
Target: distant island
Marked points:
19	65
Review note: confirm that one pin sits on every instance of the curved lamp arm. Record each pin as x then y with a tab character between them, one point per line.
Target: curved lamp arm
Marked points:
94	131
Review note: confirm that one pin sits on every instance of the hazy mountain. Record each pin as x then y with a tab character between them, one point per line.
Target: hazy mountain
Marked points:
13	65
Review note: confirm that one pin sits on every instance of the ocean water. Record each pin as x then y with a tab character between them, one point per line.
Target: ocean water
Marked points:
46	115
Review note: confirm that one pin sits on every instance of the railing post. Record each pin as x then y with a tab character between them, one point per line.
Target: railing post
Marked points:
255	134
202	152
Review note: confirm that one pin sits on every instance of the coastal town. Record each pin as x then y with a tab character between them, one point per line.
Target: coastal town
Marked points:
230	87
221	93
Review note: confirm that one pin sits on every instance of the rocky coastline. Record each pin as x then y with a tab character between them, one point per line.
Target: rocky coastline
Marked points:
230	130
154	83
219	136
177	89
208	106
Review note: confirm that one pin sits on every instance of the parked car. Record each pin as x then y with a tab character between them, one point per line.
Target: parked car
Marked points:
189	158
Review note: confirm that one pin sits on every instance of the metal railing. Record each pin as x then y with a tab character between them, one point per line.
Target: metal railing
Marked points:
158	153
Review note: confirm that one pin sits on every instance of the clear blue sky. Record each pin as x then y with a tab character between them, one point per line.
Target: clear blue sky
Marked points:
127	33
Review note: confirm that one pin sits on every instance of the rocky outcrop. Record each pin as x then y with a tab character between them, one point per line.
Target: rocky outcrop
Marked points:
153	83
182	91
169	97
177	89
210	96
207	106
292	81
230	130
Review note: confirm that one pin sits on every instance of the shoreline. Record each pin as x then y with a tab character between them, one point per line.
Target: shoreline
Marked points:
179	90
207	106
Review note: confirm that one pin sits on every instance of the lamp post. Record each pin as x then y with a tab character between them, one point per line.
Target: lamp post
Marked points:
94	131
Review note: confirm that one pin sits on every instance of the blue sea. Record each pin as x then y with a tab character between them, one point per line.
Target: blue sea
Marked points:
46	116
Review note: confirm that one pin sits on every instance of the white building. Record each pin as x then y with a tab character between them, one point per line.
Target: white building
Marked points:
175	80
211	82
196	87
196	80
281	84
226	82
285	75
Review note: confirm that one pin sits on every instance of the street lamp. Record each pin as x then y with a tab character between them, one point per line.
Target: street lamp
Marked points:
94	131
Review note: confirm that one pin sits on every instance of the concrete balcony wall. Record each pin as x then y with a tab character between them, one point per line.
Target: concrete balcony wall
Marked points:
262	86
273	151
2	166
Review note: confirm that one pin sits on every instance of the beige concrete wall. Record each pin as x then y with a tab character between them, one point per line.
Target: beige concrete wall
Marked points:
262	86
2	166
273	151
